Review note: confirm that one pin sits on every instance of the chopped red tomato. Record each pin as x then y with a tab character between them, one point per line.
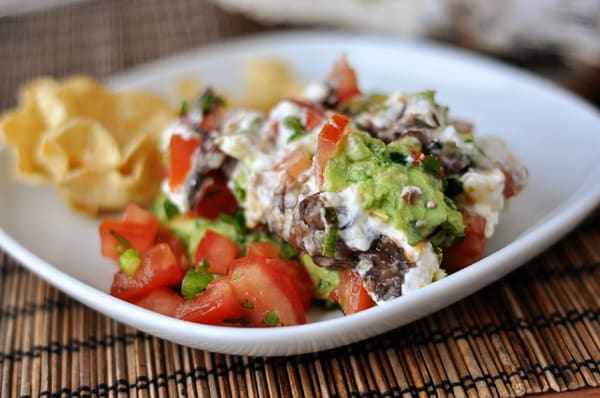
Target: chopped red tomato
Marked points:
343	79
217	305
136	214
210	122
268	295
164	235
470	249
181	151
137	230
218	250
158	268
162	300
295	162
262	249
327	145
298	276
351	294
510	189
215	198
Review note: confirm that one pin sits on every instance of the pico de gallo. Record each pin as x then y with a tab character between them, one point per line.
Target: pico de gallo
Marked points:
338	197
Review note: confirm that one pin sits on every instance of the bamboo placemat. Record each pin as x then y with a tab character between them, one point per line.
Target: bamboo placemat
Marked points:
536	330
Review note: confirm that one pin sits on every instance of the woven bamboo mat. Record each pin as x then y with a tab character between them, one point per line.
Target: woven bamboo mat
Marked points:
536	330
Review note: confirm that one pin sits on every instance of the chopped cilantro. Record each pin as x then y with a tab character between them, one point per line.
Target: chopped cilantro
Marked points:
184	108
399	158
210	101
238	191
170	209
454	187
247	304
294	123
123	244
272	319
237	276
431	165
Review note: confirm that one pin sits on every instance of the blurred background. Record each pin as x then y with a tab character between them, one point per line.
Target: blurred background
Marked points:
559	40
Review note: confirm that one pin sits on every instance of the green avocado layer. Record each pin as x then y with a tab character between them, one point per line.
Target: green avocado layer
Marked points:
385	176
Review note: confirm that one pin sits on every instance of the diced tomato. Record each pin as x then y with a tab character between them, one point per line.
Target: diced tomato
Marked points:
210	122
295	162
136	214
510	188
351	294
298	276
470	249
159	268
343	78
267	294
262	249
327	145
181	151
218	250
162	300
138	228
217	200
313	119
217	305
164	235
417	156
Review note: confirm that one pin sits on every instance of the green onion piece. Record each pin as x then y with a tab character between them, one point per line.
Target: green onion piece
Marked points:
271	318
123	243
330	241
331	232
238	191
209	101
184	108
331	216
194	282
171	210
294	123
237	276
129	261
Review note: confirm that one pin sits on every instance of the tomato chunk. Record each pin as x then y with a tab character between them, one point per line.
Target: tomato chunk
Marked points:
137	229
299	277
268	296
295	162
262	249
216	199
343	78
158	268
510	188
470	249
327	145
218	250
217	305
162	300
164	235
181	151
351	294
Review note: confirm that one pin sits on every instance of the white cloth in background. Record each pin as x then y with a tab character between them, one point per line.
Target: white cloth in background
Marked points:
569	28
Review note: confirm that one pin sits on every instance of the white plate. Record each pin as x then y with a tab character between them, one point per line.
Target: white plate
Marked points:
554	132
